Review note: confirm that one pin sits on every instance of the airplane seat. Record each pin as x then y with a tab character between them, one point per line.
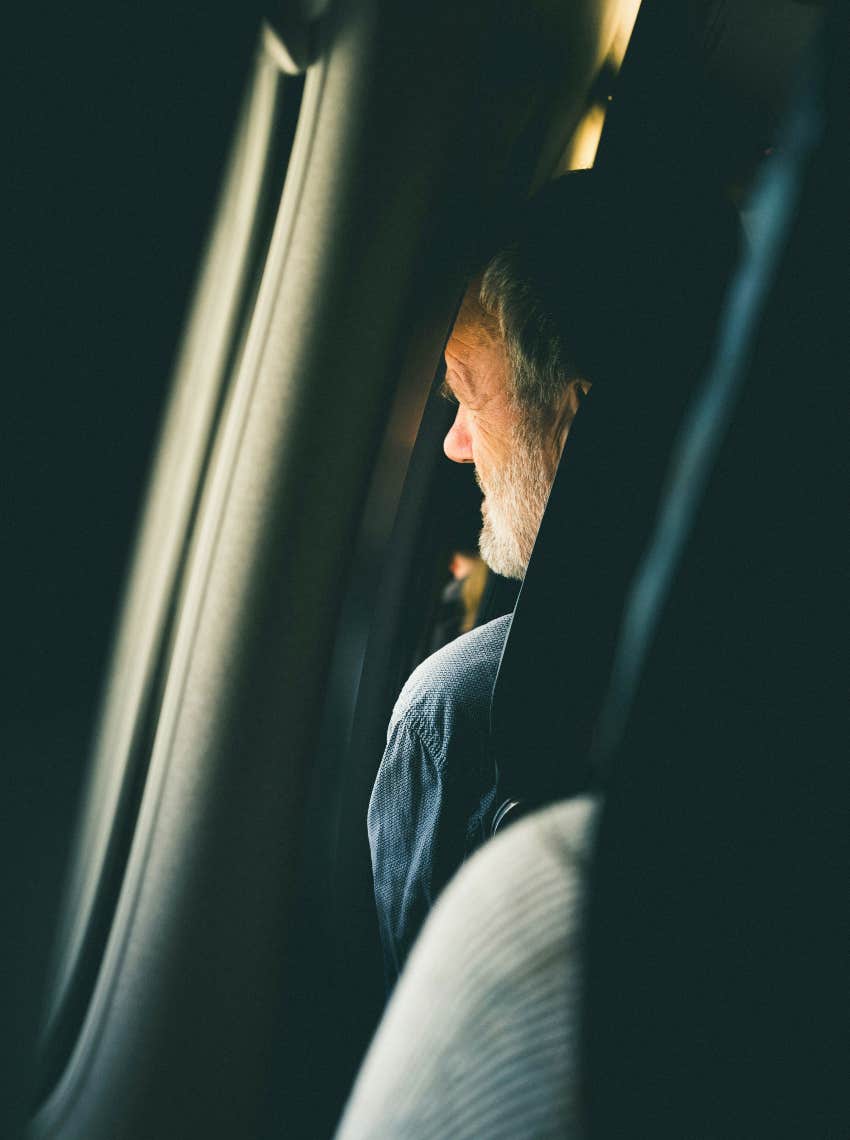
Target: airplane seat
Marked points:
714	939
642	339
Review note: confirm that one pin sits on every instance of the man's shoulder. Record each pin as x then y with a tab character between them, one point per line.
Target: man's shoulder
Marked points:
460	676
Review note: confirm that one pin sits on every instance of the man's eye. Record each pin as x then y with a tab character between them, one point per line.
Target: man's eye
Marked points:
447	393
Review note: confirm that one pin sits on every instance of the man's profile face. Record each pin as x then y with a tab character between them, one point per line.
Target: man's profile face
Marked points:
477	377
514	462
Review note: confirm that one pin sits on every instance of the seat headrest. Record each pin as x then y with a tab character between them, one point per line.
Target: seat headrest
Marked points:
633	282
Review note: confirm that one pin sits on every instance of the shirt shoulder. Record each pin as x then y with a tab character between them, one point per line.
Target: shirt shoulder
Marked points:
456	680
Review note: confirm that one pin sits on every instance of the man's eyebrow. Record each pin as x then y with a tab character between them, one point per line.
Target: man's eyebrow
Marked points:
446	391
456	371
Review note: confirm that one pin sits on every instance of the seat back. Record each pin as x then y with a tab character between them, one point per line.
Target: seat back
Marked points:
639	326
714	949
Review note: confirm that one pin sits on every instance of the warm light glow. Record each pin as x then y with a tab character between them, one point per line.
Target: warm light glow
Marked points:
581	152
618	24
624	25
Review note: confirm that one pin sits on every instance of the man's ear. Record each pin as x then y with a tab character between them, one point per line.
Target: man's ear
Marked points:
570	402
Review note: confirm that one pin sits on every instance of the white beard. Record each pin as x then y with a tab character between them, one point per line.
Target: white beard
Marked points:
514	502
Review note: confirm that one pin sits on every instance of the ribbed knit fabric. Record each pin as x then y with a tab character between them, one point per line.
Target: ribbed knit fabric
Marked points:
435	786
480	1039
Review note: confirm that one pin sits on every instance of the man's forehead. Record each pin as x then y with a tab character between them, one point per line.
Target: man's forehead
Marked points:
476	364
473	326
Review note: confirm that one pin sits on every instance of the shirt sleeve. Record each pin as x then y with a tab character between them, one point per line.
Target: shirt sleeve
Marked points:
403	823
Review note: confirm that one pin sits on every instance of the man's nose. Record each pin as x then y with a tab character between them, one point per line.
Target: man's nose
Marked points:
458	445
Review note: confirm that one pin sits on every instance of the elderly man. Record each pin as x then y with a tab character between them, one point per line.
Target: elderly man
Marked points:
517	394
592	281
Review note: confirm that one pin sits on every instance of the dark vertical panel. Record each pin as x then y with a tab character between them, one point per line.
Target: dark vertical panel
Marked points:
118	128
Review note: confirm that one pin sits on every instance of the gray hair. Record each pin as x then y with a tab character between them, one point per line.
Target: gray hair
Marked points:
540	368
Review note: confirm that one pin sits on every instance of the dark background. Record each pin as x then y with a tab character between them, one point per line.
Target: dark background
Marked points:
118	126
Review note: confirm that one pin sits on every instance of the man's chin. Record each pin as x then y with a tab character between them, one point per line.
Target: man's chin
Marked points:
499	551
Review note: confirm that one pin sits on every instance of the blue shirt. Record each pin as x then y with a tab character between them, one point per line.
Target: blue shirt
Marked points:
435	786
